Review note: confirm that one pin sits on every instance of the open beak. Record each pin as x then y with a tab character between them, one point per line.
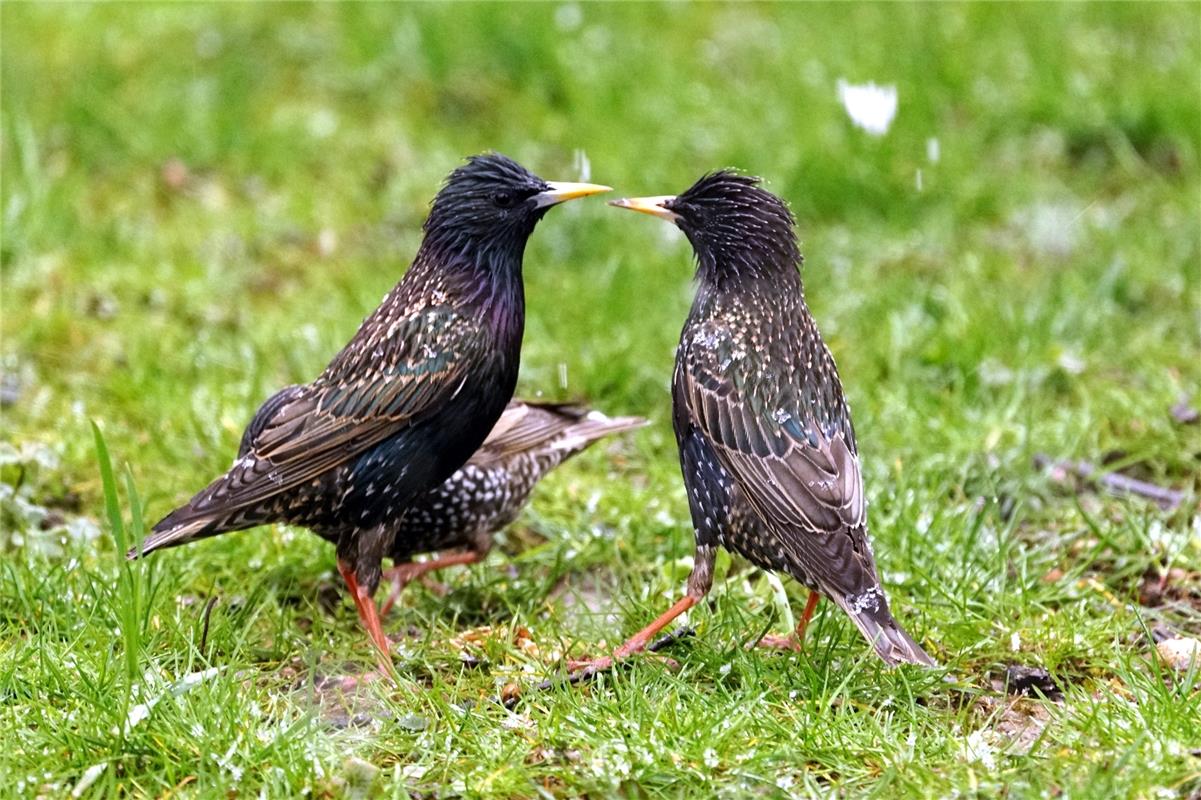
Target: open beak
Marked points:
655	206
562	192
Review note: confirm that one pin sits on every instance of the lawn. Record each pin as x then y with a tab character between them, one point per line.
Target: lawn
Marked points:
200	202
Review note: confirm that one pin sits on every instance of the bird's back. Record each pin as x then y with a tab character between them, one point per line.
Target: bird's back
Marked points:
760	403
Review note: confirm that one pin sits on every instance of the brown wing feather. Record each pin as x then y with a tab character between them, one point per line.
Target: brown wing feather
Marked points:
798	476
333	420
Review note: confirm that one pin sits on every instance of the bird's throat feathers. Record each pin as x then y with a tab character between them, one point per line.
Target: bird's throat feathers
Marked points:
731	263
482	281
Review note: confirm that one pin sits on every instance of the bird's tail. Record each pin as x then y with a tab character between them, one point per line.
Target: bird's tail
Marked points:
189	523
551	431
871	615
169	533
592	426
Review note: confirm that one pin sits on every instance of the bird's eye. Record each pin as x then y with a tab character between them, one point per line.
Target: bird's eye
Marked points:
503	199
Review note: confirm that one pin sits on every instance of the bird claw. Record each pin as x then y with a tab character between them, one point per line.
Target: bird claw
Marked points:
776	642
400	576
581	670
349	683
584	664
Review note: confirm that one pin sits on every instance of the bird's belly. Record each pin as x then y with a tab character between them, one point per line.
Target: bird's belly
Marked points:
748	537
314	505
379	486
471	501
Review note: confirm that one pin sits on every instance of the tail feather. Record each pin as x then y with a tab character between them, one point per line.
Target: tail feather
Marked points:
595	426
185	524
870	614
553	430
169	534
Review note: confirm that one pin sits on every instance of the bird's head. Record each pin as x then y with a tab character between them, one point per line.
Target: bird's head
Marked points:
492	202
734	224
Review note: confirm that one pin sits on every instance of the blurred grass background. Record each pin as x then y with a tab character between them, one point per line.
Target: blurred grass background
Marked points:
201	201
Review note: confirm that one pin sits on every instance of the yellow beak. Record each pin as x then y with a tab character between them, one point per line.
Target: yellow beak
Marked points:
560	192
655	206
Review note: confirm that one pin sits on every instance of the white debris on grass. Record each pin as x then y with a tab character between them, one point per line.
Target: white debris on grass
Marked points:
1051	229
1182	653
976	747
142	710
568	17
89	776
226	761
933	150
870	107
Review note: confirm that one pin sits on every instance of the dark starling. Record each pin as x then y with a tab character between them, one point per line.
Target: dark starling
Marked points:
489	491
406	402
766	443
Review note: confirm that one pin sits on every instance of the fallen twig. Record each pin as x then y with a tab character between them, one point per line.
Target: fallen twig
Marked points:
208	613
1113	482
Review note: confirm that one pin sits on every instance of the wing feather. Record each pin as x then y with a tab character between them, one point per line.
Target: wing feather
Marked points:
800	475
303	432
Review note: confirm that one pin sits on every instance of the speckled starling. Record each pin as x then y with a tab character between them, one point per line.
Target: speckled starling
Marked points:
766	444
406	402
489	491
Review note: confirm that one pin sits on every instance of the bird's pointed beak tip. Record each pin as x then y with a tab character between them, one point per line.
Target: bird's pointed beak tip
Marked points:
655	206
562	191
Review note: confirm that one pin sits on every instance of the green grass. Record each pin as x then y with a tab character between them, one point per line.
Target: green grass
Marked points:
1041	293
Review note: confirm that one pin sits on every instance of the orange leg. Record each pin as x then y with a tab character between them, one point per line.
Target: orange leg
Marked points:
806	615
369	616
402	574
635	643
793	641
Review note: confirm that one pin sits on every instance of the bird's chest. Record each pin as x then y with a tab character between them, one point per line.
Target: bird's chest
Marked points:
382	482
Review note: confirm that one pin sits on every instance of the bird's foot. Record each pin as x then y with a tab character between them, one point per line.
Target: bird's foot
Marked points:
402	574
583	669
349	683
777	642
369	616
592	666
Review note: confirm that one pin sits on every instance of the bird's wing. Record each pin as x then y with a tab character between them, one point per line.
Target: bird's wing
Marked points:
791	451
377	386
264	415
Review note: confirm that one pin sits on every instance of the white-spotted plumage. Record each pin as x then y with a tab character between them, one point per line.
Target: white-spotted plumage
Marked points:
489	491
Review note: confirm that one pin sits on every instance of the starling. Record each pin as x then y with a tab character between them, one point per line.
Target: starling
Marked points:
406	402
489	491
765	438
